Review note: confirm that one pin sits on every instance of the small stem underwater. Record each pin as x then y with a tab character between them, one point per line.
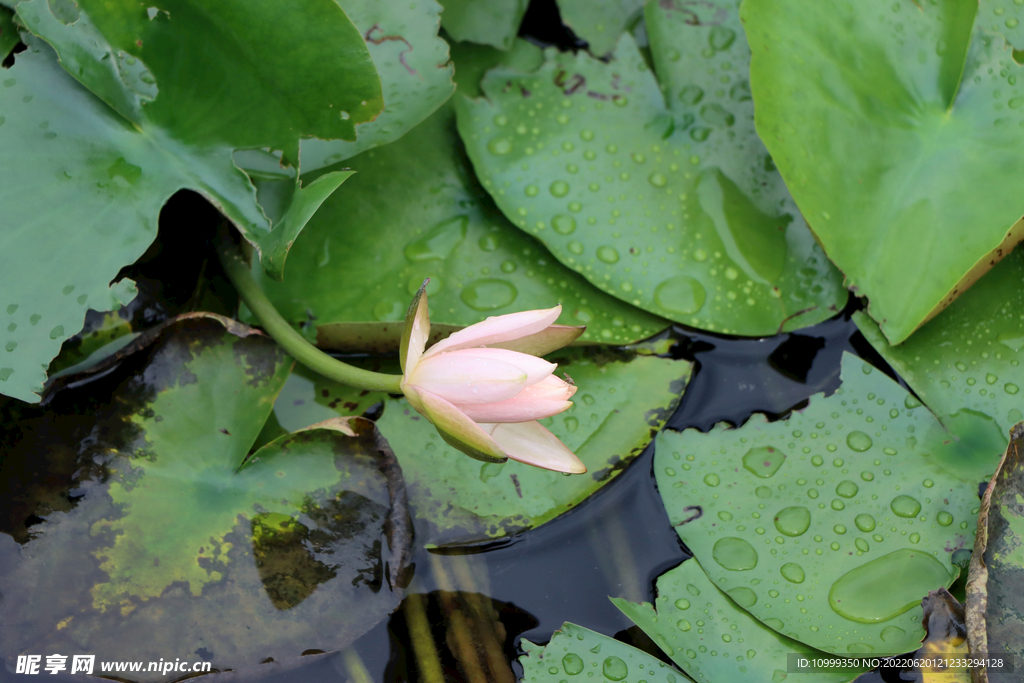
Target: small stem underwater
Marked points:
293	342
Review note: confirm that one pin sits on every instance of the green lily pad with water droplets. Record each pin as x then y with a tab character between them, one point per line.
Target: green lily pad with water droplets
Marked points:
488	22
1003	17
838	519
712	638
412	61
585	156
600	22
576	650
621	402
882	116
162	531
965	363
365	253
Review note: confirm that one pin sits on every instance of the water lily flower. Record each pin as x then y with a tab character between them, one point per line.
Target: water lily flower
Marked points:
484	387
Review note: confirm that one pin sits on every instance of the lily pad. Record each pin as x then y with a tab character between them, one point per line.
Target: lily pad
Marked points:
574	649
837	521
620	405
710	636
175	539
600	22
966	362
488	22
882	116
994	601
1003	17
585	156
9	37
412	61
100	165
366	252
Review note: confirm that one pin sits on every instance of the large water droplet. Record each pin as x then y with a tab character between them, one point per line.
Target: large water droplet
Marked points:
743	596
892	634
792	572
886	587
682	603
657	179
905	506
773	623
614	669
734	554
721	38
575	247
499	146
847	489
858	441
865	522
793	521
691	94
608	254
563	224
572	663
680	294
559	188
439	241
488	294
763	462
1011	339
712	479
862	545
944	518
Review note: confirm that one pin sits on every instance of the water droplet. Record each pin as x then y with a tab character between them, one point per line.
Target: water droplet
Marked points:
439	241
962	367
773	623
792	572
683	625
839	529
838	504
608	254
865	522
572	663
858	441
388	310
559	188
915	537
575	247
1011	23
867	476
892	634
721	38
1011	339
614	669
712	479
717	116
563	224
488	242
11	309
1011	388
680	294
488	294
130	173
763	462
682	603
691	95
587	135
725	516
793	521
886	587
499	146
11	346
508	266
817	460
57	332
763	492
531	190
905	506
734	554
847	489
944	518
911	402
743	596
862	545
928	483
657	179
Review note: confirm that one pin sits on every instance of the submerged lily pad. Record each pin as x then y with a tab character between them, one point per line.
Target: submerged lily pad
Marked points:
585	156
710	636
839	519
574	650
994	600
966	362
882	116
620	405
367	250
175	539
600	22
488	22
412	61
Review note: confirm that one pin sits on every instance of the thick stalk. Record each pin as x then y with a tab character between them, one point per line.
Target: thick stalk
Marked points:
293	342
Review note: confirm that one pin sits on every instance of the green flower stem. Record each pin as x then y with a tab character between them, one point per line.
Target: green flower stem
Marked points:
293	342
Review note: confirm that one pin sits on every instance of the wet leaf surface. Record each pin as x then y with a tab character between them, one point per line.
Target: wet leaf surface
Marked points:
366	252
162	533
600	22
677	217
574	650
710	637
965	363
412	61
881	116
994	600
836	521
489	22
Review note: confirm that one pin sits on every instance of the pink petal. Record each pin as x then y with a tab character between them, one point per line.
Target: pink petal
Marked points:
536	369
501	328
530	443
473	379
515	409
544	342
456	428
